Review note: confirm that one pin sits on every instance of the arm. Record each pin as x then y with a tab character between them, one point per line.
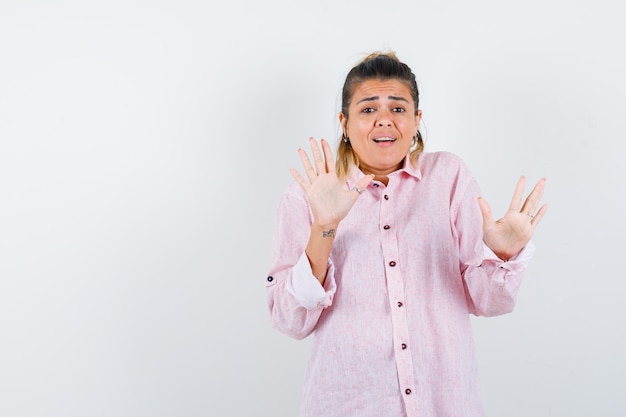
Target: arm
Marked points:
330	203
294	295
302	282
494	257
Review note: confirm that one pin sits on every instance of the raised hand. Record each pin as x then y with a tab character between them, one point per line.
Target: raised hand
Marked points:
329	198
508	235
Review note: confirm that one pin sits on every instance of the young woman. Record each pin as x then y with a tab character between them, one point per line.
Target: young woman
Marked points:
384	253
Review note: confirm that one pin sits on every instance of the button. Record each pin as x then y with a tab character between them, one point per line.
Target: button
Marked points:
386	197
376	185
400	304
270	278
407	391
386	227
403	346
392	263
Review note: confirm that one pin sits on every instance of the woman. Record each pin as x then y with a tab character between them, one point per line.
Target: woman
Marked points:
383	256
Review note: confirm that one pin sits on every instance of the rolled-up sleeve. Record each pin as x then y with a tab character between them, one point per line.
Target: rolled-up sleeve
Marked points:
493	285
295	297
306	289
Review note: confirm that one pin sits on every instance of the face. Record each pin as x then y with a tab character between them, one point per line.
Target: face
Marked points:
381	123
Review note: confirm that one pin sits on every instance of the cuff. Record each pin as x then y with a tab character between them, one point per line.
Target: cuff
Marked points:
517	262
307	290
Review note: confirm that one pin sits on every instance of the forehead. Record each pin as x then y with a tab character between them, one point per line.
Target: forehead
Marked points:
381	89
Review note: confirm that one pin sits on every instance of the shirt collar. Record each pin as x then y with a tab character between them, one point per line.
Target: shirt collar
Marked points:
412	169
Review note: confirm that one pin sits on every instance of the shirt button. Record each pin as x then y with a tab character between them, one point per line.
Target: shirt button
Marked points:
386	197
392	263
407	391
386	227
400	304
270	278
403	346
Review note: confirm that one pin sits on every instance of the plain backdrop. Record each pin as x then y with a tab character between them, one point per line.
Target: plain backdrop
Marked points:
144	146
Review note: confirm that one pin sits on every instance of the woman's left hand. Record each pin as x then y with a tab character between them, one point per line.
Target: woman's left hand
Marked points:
508	235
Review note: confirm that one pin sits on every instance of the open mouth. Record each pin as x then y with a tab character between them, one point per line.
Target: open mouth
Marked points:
381	140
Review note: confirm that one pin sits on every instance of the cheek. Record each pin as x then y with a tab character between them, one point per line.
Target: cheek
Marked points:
360	127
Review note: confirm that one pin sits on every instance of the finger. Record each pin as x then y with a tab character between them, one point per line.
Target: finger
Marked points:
296	175
318	159
362	184
537	217
328	157
516	201
485	209
533	199
306	163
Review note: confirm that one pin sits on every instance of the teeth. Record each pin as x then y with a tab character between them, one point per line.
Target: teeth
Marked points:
384	140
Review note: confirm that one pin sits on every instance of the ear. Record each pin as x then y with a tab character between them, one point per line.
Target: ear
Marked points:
343	120
418	118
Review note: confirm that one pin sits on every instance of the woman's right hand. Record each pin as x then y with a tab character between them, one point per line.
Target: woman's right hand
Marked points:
330	199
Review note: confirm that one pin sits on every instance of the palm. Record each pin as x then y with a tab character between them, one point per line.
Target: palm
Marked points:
330	200
508	235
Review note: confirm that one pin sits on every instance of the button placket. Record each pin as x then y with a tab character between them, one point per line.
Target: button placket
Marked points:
395	291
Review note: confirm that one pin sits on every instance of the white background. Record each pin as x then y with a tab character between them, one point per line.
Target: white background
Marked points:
144	146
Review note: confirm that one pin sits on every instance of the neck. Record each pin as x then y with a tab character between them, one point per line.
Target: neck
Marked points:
382	178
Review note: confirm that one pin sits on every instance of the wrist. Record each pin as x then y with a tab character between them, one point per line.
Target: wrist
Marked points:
324	230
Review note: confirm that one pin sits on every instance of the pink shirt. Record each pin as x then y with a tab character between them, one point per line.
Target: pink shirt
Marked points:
391	325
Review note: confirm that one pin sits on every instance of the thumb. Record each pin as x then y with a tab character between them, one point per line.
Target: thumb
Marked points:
485	209
365	181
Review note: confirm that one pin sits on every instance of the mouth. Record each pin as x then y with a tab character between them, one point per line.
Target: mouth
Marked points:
384	139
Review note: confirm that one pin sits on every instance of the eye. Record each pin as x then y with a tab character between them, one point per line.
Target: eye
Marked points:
368	110
398	110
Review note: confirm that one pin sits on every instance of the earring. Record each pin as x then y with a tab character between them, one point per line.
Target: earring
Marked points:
414	141
345	138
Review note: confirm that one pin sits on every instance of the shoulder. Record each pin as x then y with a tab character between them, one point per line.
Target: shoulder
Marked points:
294	212
442	162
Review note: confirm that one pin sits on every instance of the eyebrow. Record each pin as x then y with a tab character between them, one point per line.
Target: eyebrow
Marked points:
374	98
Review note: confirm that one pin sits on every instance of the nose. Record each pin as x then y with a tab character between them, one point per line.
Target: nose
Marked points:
384	118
